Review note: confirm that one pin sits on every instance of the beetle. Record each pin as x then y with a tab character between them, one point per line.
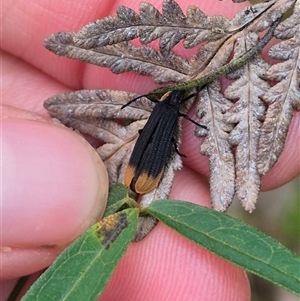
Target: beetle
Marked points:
154	145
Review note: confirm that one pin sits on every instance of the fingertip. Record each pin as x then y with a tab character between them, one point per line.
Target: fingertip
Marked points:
54	186
51	174
175	268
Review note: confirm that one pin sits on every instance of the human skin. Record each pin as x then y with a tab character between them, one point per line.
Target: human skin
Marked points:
163	266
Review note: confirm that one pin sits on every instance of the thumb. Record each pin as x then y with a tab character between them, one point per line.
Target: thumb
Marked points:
54	187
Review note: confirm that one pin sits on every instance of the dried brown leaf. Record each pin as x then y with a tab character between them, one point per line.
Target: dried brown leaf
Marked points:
211	107
98	104
123	57
282	97
206	28
170	26
247	112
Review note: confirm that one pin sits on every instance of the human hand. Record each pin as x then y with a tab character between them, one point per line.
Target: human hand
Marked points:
164	266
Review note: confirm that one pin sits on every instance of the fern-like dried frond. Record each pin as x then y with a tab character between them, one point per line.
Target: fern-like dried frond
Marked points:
247	113
170	26
283	97
123	57
107	42
211	106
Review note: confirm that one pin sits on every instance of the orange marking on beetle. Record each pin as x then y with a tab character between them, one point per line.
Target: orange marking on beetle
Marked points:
129	175
146	183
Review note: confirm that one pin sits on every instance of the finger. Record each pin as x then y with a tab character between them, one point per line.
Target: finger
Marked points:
26	87
55	187
23	35
25	26
166	266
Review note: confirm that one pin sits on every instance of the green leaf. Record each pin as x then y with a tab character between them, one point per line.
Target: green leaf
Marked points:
84	268
117	198
233	240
